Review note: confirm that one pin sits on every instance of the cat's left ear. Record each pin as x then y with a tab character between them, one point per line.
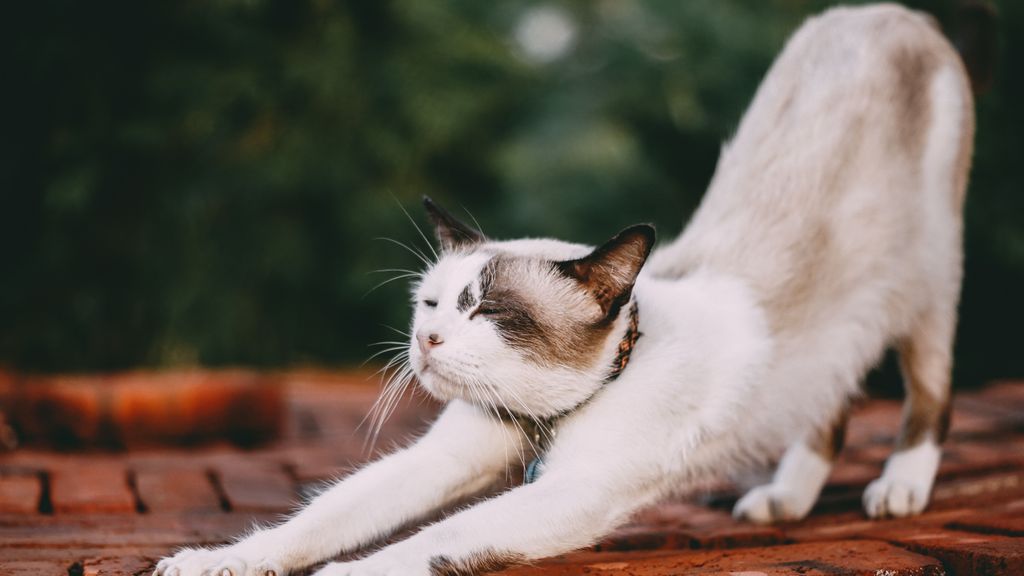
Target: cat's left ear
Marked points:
452	233
609	272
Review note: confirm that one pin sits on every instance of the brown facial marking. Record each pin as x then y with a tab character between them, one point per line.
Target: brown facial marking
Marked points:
466	300
829	441
550	333
476	563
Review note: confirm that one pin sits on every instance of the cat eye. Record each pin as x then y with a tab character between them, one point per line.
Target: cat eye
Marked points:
487	309
430	303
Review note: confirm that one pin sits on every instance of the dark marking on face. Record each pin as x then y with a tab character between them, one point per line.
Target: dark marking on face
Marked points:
466	299
550	333
475	563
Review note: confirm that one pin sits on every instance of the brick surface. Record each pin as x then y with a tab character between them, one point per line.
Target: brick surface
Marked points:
98	488
176	490
966	553
254	487
20	494
34	567
116	512
851	558
1007	520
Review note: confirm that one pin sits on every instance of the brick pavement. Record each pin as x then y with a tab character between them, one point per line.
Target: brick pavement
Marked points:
115	513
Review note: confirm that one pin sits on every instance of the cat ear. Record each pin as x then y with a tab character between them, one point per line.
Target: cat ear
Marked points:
608	273
452	233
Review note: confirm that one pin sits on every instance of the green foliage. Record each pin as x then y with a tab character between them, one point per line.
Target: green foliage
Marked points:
204	182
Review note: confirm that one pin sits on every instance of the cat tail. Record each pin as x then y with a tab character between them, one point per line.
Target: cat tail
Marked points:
975	38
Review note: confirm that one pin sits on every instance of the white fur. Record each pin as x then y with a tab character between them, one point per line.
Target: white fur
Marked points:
906	483
793	490
814	249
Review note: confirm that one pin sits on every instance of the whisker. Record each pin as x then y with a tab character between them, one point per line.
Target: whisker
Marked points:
388	281
405	270
406	334
417	227
413	251
475	223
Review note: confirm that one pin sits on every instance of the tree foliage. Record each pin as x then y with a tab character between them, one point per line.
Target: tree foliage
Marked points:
205	182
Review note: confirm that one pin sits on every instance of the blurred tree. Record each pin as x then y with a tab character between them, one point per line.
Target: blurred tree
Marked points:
203	182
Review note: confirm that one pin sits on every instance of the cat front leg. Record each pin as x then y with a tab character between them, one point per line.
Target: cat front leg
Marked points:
465	452
563	510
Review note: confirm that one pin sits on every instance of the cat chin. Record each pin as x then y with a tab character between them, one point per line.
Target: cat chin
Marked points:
436	385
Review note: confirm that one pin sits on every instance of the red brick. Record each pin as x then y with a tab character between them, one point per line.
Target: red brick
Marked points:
256	486
646	538
64	410
176	490
847	473
118	565
875	422
853	558
33	534
1005	394
854	524
687	525
965	553
153	408
977	491
1006	519
34	567
19	494
95	488
959	458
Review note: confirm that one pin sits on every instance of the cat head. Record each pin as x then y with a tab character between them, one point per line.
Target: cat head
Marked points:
530	326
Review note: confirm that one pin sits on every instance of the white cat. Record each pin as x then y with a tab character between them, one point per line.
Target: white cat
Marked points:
831	230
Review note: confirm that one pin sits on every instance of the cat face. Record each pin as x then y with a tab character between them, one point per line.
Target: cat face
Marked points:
527	326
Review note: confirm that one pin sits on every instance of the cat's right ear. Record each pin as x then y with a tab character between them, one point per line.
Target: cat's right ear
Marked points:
451	233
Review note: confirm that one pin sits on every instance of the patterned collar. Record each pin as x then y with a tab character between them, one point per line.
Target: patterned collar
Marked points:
542	431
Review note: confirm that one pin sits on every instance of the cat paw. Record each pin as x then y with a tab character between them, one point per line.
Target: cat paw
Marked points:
772	503
216	562
906	483
895	498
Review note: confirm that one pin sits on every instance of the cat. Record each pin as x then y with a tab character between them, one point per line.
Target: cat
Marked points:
831	230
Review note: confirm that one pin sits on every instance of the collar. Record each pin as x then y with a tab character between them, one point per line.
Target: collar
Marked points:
542	430
626	346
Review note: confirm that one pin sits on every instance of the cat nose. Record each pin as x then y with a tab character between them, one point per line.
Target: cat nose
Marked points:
428	340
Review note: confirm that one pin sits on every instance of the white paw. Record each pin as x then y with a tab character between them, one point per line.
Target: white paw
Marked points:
217	562
773	503
906	483
895	497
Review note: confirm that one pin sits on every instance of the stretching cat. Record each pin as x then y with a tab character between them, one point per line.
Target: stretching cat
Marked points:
831	230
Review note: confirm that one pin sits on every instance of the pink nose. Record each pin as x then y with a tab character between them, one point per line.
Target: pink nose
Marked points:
428	341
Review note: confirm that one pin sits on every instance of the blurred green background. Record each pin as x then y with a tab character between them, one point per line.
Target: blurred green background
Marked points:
204	183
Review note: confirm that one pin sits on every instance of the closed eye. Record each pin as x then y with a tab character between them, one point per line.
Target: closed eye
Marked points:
430	303
488	309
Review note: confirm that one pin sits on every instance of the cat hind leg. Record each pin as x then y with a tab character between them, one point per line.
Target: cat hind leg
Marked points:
905	486
799	478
